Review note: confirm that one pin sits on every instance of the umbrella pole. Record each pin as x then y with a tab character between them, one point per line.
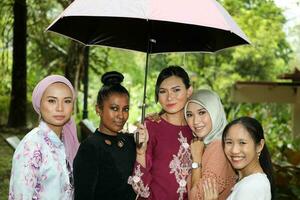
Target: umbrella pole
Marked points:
85	82
149	49
145	90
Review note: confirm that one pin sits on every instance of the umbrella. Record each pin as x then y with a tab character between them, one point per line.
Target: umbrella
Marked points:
150	26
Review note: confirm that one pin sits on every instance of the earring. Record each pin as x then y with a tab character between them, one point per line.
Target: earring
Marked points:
258	154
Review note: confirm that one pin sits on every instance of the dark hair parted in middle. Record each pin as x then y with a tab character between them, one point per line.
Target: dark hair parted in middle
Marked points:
167	72
111	84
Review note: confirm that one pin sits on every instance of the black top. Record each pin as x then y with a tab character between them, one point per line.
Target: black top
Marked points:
102	166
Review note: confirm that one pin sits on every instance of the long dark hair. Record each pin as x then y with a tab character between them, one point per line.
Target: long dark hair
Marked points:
256	132
111	84
167	72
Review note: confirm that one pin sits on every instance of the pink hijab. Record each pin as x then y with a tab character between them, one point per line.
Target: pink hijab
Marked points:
69	130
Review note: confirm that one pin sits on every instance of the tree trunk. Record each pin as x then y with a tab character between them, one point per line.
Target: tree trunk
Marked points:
17	110
74	66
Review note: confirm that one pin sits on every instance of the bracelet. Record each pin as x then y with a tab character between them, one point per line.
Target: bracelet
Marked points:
138	153
197	139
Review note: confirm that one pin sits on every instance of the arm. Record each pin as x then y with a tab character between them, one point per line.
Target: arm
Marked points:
141	177
85	171
25	174
197	148
141	150
216	167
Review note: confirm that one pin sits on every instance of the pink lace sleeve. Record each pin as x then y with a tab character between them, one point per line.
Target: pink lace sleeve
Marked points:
140	181
141	177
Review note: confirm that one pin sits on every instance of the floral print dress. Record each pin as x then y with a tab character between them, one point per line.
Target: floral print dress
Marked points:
39	168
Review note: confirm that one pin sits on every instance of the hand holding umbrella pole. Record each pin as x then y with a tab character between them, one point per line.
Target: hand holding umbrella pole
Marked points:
141	137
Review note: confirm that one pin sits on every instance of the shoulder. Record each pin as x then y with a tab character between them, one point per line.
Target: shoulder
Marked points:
91	143
256	184
30	140
215	147
31	135
31	148
151	123
128	136
93	139
153	127
214	159
258	180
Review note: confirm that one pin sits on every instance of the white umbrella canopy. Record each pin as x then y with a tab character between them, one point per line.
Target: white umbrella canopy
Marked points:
151	26
174	25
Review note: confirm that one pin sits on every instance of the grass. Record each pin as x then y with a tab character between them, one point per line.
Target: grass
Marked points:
6	153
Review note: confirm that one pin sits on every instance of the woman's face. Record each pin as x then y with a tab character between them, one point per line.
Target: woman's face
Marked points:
56	105
114	113
241	150
172	94
198	120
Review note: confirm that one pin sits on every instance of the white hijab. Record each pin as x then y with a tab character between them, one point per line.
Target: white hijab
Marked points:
212	103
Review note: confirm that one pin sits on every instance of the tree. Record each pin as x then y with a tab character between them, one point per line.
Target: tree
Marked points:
17	110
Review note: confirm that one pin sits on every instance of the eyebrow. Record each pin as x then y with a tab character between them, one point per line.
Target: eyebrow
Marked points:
113	104
177	86
56	97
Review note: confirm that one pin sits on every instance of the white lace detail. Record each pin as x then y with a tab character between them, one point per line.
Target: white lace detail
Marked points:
137	183
181	165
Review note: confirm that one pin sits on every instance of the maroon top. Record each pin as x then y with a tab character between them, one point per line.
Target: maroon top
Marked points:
168	162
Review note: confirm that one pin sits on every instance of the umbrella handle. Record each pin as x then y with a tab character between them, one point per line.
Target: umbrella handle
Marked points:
137	140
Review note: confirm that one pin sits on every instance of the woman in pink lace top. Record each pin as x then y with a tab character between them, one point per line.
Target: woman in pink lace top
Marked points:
163	162
206	117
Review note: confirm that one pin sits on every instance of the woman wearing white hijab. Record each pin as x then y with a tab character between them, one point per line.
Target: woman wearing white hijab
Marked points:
205	115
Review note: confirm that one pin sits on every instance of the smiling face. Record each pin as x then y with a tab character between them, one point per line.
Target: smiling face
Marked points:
172	94
241	150
198	119
56	106
114	113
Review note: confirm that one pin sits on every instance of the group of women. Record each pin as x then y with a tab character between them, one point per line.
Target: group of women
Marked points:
188	152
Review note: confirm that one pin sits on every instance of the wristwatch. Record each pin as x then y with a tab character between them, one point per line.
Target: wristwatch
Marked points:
196	165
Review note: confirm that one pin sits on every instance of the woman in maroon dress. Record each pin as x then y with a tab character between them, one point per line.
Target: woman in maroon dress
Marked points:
163	161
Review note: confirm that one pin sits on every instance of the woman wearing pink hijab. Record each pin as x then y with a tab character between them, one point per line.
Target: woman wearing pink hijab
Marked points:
42	162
